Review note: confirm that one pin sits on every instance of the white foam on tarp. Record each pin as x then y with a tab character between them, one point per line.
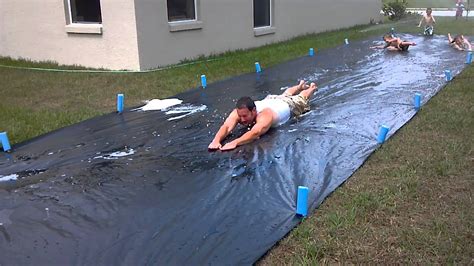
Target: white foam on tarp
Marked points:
8	177
157	104
170	108
185	110
116	155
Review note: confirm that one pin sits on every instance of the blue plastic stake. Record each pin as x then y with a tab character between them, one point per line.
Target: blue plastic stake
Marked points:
120	102
203	81
311	52
258	69
302	201
382	134
4	141
469	58
417	101
346	41
447	73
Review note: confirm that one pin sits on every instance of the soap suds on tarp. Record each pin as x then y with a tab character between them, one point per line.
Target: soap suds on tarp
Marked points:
116	155
170	107
185	111
157	104
8	177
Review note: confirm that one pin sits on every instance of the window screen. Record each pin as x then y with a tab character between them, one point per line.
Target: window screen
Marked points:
261	13
181	10
85	11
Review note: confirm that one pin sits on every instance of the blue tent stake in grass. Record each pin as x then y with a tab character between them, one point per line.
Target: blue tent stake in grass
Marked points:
447	74
120	102
258	69
417	101
302	201
311	52
4	141
203	81
469	58
382	134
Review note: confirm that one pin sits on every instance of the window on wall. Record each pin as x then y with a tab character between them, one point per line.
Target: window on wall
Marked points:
261	13
85	11
179	10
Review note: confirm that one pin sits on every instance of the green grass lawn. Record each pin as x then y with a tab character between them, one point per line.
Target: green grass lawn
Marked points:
411	201
36	102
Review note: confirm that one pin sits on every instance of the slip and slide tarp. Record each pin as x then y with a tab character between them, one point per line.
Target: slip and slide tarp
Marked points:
171	201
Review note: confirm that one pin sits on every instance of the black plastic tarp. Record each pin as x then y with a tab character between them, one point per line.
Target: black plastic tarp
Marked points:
171	201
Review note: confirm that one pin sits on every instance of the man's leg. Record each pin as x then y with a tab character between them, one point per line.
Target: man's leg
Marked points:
300	104
295	89
308	92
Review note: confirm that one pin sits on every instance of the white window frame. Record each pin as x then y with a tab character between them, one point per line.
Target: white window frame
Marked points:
264	30
74	27
271	15
185	20
185	24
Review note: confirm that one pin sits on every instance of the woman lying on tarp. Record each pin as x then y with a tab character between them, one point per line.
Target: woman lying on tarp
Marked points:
394	44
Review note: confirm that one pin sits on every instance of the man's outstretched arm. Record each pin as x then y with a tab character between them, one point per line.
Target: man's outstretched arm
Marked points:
224	130
263	124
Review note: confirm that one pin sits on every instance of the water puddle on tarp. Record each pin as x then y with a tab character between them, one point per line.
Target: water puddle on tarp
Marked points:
141	187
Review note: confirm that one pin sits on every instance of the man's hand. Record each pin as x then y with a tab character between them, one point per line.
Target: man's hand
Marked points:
229	146
214	145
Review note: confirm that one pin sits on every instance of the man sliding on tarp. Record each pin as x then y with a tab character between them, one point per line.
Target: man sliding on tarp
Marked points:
272	111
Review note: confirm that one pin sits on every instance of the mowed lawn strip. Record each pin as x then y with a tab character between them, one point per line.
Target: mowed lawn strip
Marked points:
37	102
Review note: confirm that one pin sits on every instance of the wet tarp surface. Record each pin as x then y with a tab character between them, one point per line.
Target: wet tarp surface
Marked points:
142	188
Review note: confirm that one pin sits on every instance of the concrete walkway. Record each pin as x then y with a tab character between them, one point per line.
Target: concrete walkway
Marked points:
441	12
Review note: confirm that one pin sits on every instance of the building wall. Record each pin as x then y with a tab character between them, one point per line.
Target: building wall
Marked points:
136	33
228	25
35	29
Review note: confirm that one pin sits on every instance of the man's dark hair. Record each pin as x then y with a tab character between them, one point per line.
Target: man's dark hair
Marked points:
245	102
456	38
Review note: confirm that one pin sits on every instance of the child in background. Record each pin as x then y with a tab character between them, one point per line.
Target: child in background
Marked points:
429	22
459	8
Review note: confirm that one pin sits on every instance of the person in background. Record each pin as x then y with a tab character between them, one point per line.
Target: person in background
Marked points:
459	8
429	21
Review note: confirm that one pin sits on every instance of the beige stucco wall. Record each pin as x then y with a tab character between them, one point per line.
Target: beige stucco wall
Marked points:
35	29
136	33
228	25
